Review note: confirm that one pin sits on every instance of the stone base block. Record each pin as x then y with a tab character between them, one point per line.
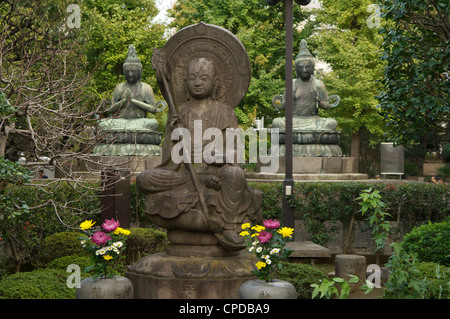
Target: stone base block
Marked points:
345	265
319	150
133	163
315	165
161	276
307	250
127	150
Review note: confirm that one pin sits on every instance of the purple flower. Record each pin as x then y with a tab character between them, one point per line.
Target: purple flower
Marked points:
100	238
110	225
271	223
264	237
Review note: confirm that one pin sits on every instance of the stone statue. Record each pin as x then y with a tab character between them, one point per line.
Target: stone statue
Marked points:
200	201
309	94
128	128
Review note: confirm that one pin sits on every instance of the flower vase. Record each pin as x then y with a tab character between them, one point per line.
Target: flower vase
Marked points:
117	287
275	289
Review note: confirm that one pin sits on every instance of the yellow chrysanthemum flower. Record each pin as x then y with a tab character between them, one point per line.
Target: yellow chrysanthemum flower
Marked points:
120	230
260	264
258	228
87	224
107	257
286	231
245	226
244	233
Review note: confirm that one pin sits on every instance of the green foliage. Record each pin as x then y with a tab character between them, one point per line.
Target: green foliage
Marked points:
12	173
31	213
336	287
61	245
415	94
350	47
144	241
438	278
110	26
317	202
302	276
371	203
38	284
431	242
62	263
412	279
411	169
405	281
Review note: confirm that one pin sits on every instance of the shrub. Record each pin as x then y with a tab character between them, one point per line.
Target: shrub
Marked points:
431	242
144	241
37	284
411	169
301	276
62	244
405	280
438	278
63	262
317	202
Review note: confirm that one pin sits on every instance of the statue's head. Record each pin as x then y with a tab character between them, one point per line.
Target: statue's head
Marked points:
201	79
304	62
132	67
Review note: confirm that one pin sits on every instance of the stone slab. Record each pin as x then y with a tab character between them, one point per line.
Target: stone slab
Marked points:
431	169
313	165
279	177
307	249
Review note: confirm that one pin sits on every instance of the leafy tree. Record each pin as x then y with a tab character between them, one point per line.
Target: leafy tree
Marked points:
261	29
110	26
344	39
415	95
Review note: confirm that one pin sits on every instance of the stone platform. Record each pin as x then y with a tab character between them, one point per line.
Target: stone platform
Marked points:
314	165
162	276
308	250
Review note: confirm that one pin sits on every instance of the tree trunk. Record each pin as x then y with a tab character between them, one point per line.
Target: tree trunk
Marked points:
354	152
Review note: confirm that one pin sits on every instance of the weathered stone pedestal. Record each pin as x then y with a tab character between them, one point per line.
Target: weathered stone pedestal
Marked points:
200	271
315	165
346	265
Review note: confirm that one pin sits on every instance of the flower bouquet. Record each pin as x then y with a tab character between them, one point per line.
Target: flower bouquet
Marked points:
268	243
105	246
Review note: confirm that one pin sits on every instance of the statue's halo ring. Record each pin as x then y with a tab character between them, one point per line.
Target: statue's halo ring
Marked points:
217	44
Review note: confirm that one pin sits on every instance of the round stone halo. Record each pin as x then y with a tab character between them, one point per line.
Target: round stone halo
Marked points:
220	46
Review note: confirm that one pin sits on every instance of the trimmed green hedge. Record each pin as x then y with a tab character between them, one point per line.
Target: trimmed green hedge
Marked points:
37	284
431	242
301	276
415	202
62	244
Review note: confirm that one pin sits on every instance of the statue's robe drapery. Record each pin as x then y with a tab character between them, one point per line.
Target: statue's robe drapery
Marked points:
132	117
305	107
169	187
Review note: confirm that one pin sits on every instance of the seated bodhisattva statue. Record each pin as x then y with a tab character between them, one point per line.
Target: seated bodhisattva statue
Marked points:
129	130
201	197
317	135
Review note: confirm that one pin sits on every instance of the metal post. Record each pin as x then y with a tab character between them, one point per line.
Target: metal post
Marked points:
288	212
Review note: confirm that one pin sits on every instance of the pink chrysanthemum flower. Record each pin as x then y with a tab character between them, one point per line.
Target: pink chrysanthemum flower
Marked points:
100	238
264	237
110	225
271	223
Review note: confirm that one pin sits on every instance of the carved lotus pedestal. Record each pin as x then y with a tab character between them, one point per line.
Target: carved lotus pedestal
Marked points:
198	269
